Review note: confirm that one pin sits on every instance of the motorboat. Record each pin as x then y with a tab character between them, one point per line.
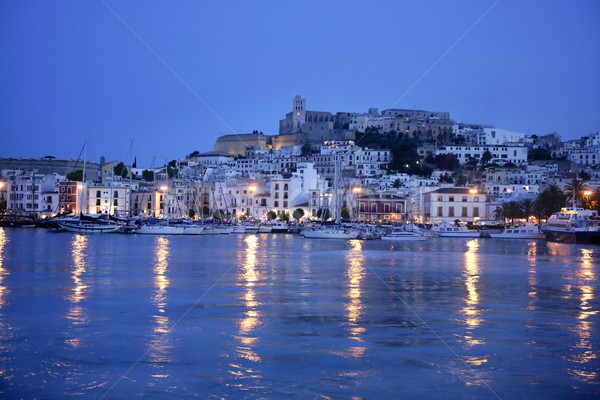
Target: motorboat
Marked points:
459	231
405	233
573	225
527	231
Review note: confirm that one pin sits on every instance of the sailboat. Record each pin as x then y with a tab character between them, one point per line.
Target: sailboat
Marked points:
336	230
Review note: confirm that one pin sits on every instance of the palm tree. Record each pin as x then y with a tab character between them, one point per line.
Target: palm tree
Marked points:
574	191
527	207
512	210
550	201
499	214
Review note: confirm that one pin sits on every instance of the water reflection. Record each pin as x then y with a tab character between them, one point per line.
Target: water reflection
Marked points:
160	344
355	274
3	271
471	312
77	314
532	251
584	354
249	276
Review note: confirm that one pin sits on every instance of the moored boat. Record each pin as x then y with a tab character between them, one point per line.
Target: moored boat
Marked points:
330	232
459	231
405	233
573	225
527	231
87	224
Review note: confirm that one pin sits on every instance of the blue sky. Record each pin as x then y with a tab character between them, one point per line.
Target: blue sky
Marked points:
173	76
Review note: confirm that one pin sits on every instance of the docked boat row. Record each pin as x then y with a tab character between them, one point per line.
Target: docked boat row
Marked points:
570	225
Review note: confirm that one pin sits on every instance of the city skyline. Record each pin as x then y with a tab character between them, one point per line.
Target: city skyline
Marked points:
172	79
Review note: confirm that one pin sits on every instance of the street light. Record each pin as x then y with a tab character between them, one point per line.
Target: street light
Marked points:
164	189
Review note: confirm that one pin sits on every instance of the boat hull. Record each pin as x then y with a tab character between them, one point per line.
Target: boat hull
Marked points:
582	237
414	238
330	234
89	228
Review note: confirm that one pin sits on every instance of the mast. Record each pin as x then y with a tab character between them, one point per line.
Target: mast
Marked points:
83	188
130	177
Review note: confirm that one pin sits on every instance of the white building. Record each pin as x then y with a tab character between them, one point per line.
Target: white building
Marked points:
450	204
500	154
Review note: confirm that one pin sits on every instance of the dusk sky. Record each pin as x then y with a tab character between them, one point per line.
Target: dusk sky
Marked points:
173	76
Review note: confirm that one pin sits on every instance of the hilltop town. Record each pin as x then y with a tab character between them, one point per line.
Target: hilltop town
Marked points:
390	166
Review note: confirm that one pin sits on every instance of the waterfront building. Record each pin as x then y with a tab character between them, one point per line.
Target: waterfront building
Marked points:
450	204
32	192
381	207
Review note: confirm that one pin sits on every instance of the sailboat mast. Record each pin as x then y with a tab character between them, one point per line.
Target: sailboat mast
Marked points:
83	188
130	177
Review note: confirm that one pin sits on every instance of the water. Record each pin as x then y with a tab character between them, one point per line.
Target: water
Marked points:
278	316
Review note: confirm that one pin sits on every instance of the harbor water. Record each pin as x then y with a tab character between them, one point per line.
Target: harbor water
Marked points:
113	316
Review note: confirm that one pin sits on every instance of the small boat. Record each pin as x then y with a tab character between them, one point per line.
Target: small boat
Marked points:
527	231
573	225
405	233
160	227
330	232
459	231
88	224
273	226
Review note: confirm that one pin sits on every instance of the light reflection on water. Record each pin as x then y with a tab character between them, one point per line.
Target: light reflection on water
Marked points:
3	270
354	308
77	314
532	252
247	359
295	318
471	312
583	350
160	344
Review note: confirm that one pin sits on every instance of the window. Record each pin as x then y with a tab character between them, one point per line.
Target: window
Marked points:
475	212
464	212
440	199
464	199
451	211
386	208
373	208
276	204
440	212
98	193
277	186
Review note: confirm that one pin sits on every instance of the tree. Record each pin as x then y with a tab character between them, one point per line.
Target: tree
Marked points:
76	175
148	175
306	150
575	191
550	201
172	170
447	162
539	153
397	184
2	205
120	170
284	216
345	213
527	207
298	214
511	210
323	214
486	157
271	215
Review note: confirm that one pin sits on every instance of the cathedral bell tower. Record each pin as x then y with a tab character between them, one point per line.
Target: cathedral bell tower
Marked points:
298	113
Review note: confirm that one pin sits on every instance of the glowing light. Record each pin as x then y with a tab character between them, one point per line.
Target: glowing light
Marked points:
3	271
473	191
252	188
164	188
354	308
470	311
159	345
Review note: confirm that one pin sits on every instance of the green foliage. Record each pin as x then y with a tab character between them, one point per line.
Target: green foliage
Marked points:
346	213
194	153
120	170
172	170
2	205
323	214
306	150
446	162
76	175
539	153
271	215
298	214
284	216
550	201
148	175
